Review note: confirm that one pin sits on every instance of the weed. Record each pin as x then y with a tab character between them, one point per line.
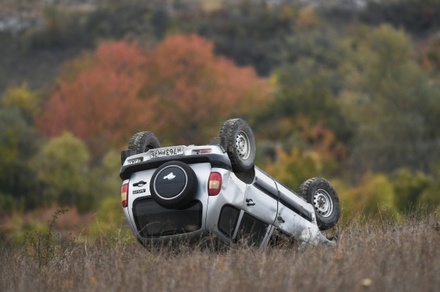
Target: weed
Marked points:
42	246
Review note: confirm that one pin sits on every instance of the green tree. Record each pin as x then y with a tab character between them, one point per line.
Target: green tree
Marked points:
23	98
62	166
249	32
104	177
373	196
415	16
429	200
18	143
305	88
409	186
307	85
390	102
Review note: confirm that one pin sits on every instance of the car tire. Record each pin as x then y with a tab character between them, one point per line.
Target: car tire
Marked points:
321	194
239	142
142	142
174	185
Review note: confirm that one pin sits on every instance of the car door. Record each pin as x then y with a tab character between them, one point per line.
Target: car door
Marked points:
261	198
294	213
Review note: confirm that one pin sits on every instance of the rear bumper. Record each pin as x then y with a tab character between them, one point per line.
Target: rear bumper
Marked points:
216	161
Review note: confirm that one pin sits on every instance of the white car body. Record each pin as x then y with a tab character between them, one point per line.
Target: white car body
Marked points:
247	208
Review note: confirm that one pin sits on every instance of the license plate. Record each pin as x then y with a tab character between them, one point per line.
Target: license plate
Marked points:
163	152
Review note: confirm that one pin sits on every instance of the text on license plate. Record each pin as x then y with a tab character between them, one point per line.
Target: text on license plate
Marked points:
166	152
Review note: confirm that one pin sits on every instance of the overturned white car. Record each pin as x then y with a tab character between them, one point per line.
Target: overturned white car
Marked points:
193	192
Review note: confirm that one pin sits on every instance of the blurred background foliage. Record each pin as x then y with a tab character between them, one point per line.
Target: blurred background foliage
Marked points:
349	90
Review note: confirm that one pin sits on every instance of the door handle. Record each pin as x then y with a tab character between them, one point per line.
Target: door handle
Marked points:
250	202
280	219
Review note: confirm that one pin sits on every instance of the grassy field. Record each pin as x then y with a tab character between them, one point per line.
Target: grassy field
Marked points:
371	256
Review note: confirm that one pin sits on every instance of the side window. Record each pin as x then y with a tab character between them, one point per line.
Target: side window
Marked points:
251	230
228	220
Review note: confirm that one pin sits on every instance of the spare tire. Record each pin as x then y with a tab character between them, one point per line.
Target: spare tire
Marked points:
174	184
321	194
142	142
239	141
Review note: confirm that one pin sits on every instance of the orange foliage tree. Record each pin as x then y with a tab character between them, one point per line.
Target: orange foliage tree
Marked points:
312	150
101	101
180	90
429	55
197	90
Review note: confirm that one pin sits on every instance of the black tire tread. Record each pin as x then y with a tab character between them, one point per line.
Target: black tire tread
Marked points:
228	131
304	192
141	142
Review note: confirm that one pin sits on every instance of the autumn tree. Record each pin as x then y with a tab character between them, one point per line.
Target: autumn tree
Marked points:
180	89
101	103
429	56
314	152
197	90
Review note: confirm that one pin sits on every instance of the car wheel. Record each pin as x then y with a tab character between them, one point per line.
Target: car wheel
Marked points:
321	194
239	143
174	184
142	142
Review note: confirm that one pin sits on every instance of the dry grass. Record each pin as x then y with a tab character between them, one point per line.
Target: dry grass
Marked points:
376	256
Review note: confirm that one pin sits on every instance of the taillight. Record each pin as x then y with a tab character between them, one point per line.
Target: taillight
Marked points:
124	194
214	183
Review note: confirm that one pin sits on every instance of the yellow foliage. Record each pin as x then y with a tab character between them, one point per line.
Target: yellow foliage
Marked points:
294	167
373	196
23	98
274	79
287	13
307	19
344	193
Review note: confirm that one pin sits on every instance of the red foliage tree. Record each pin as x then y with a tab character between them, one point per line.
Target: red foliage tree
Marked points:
102	102
181	90
198	90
